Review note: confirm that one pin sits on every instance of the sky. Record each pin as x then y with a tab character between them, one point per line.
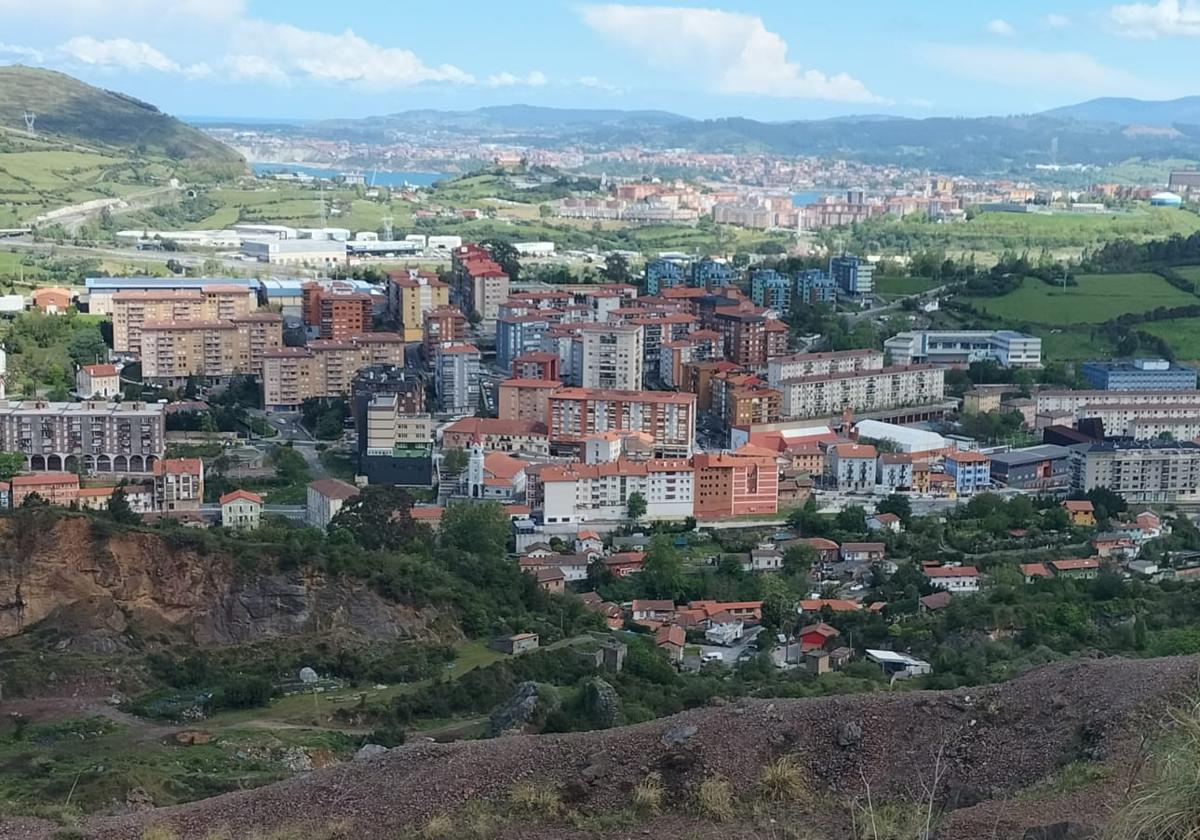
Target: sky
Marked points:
771	60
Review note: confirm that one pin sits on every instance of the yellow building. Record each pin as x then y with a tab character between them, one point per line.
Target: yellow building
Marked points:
412	293
212	303
290	375
176	350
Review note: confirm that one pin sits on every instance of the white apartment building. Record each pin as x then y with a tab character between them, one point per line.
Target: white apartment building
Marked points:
1142	473
873	390
456	376
608	356
1138	414
576	493
958	348
783	368
962	579
852	466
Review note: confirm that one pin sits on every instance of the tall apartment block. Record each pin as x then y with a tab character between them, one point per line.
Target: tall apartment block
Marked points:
771	289
174	351
337	312
664	274
609	356
412	294
852	275
211	303
323	368
829	394
456	377
443	325
480	285
668	417
97	437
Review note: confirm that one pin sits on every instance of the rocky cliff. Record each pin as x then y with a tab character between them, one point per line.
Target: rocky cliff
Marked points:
104	591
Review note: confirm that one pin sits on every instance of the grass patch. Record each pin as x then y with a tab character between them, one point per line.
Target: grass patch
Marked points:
782	781
1074	344
900	286
714	799
1078	775
1183	334
892	821
648	795
535	801
1097	298
439	827
1165	803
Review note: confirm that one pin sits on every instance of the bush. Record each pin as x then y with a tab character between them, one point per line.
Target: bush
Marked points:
714	799
648	796
242	692
782	781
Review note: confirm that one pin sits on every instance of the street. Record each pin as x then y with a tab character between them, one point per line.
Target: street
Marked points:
729	655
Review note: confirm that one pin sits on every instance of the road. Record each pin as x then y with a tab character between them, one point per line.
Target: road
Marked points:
729	655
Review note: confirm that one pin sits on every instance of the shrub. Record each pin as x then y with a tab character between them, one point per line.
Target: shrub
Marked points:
527	798
782	781
892	821
439	827
648	795
1165	803
242	692
714	799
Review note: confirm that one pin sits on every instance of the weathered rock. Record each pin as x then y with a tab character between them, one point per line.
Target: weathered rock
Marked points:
526	709
679	734
369	751
296	760
603	702
849	734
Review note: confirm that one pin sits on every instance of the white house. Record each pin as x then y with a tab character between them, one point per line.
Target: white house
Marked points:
574	567
764	558
954	578
899	665
241	509
326	496
889	522
724	629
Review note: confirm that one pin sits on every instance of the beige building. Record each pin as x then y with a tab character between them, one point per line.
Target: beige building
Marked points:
178	484
783	368
891	387
241	510
212	303
173	351
391	433
290	375
608	356
97	382
1145	472
326	496
412	293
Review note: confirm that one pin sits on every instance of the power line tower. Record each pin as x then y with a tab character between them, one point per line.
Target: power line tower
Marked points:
30	118
387	228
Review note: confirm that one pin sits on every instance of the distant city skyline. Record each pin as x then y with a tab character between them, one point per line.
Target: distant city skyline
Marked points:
772	61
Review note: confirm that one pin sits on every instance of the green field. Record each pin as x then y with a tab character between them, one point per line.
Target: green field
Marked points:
1191	272
1073	345
1183	334
1096	298
898	286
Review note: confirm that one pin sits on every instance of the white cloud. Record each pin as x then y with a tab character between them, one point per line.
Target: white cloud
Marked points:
1001	27
1067	72
734	53
345	57
69	12
119	52
596	83
253	68
1152	20
1056	21
18	51
535	78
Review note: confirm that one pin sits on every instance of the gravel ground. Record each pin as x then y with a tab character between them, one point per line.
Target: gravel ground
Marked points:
984	744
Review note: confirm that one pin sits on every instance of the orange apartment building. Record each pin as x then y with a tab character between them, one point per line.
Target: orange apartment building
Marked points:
290	375
132	309
668	417
411	294
173	351
480	284
337	311
526	399
729	485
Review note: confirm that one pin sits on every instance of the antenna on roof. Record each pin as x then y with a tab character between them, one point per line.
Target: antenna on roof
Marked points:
30	117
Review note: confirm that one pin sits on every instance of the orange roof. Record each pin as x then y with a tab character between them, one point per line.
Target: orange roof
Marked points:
1081	506
855	450
754	451
100	370
503	466
835	604
951	571
44	478
427	513
1035	570
95	492
1072	565
334	488
179	466
587	535
967	457
496	426
575	472
672	634
239	496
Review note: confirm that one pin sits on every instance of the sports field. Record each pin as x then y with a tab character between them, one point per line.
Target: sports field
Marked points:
1096	298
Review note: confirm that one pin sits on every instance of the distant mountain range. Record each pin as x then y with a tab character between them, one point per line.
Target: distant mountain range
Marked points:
1079	134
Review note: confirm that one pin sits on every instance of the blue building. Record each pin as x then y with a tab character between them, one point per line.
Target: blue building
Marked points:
518	335
854	276
771	289
664	274
815	286
1139	375
712	274
971	471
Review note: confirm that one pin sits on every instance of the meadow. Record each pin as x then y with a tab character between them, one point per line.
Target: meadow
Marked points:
1183	334
1097	298
897	286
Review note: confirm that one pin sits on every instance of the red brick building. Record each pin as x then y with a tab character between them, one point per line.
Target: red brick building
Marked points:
729	485
337	312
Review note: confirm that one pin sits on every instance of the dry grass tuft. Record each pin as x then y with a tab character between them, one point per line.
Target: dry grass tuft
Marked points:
714	799
531	800
439	827
1165	803
648	796
783	781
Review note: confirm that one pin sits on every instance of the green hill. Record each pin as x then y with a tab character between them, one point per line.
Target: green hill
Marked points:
69	109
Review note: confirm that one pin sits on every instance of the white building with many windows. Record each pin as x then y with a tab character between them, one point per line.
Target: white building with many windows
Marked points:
600	492
958	348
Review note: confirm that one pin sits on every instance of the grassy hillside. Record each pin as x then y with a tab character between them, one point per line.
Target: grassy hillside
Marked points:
69	109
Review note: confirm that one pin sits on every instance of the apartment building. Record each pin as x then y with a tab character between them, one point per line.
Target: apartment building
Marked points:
699	346
750	338
664	274
536	365
971	471
290	375
729	484
771	289
480	286
131	309
391	433
378	380
815	286
608	356
97	437
575	493
668	417
174	351
411	294
457	377
1138	375
1145	472
958	348
852	467
852	275
746	405
830	394
526	399
446	324
799	365
97	382
178	484
518	335
1123	413
337	311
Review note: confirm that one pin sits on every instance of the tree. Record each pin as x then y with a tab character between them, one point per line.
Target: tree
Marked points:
477	528
635	506
898	504
87	346
380	517
778	606
11	463
118	508
852	519
798	560
454	461
616	269
662	570
506	256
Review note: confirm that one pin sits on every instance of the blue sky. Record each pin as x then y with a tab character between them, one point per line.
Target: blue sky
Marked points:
783	59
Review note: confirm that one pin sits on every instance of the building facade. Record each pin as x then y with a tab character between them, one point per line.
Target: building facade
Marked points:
827	395
958	348
457	378
609	356
174	351
668	417
95	437
290	375
1138	375
411	294
730	485
600	492
1146	472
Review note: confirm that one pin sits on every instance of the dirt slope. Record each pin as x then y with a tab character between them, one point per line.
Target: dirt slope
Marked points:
992	743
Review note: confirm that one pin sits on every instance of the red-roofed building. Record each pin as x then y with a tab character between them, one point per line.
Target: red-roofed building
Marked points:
1081	512
600	492
953	578
241	509
178	484
729	485
1085	568
851	466
1034	571
671	639
526	399
97	382
669	417
53	488
497	435
625	564
816	636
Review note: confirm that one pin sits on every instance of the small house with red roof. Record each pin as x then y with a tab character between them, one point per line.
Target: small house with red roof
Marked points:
889	522
953	578
816	636
241	510
625	563
589	542
1081	512
1035	571
671	639
1086	568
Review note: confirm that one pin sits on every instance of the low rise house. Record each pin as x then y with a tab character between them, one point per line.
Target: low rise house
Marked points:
1114	545
651	611
816	637
241	509
749	612
971	471
862	553
724	628
935	602
899	666
326	497
52	488
851	466
551	580
954	578
1083	569
96	382
1035	571
827	551
178	484
625	563
763	558
1082	513
517	644
574	567
588	542
894	471
837	605
889	522
671	639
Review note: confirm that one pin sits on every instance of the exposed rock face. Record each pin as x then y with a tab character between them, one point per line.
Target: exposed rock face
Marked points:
603	702
100	590
529	704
